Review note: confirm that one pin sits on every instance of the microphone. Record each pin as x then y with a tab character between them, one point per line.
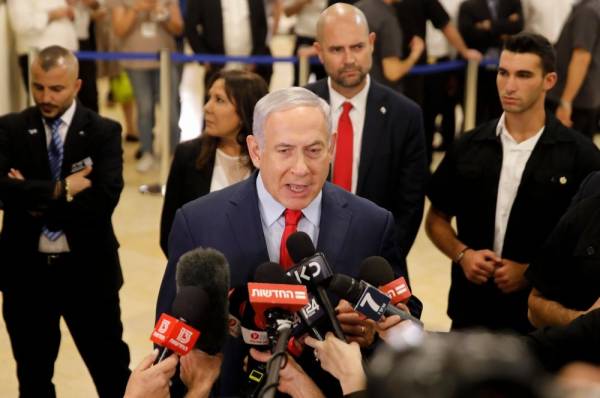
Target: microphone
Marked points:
366	298
241	319
179	333
377	271
208	269
275	303
313	270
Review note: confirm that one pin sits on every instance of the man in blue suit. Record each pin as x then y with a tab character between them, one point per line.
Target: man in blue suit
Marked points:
292	148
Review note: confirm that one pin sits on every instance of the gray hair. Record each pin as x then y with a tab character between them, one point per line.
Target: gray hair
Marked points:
285	99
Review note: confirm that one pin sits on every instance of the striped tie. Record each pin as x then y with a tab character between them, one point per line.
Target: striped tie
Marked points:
55	158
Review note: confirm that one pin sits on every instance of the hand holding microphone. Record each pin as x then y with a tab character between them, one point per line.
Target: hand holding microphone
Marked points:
147	381
343	360
355	325
199	371
292	378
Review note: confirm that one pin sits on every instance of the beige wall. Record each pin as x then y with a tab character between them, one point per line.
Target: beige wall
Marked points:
12	95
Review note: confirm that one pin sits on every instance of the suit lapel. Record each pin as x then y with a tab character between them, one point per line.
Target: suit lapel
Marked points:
36	138
244	219
375	118
322	89
539	153
334	224
75	140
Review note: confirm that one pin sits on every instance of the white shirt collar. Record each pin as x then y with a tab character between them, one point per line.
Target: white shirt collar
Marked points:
67	116
527	145
359	101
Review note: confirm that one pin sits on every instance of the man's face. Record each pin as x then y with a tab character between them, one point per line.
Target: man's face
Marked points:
54	90
295	156
345	49
521	81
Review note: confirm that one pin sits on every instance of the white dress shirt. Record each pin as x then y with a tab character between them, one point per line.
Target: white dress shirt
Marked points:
357	116
514	158
237	34
29	20
60	245
273	220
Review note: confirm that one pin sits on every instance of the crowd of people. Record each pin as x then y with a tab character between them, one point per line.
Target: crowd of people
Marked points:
344	160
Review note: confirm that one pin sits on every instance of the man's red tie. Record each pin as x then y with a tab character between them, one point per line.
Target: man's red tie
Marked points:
342	166
291	225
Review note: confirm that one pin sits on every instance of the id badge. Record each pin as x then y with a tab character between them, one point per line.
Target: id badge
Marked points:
149	29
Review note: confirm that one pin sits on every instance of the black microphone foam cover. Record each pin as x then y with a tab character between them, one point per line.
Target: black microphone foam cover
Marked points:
300	246
376	270
191	303
270	272
208	269
346	287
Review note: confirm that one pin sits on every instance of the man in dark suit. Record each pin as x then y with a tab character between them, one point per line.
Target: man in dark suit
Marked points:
507	182
388	158
213	27
292	148
60	180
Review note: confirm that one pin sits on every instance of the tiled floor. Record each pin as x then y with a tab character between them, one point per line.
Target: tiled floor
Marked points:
136	222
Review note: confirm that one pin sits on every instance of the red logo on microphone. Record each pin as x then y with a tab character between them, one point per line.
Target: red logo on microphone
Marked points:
174	335
397	290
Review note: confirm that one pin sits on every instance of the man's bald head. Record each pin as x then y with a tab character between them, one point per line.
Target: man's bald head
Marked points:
341	12
56	56
345	47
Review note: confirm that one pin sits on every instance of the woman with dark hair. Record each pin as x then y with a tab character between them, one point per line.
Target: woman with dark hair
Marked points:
219	157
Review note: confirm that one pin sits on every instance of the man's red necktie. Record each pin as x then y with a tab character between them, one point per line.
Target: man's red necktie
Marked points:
291	225
342	166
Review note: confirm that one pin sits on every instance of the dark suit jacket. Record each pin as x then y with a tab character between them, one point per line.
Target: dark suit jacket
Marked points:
28	205
185	183
204	30
473	11
589	187
228	220
393	163
558	346
465	185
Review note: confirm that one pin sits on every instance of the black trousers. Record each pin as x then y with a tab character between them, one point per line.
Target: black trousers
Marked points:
444	92
32	308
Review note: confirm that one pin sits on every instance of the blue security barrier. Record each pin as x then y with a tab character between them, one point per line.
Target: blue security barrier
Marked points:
167	58
258	59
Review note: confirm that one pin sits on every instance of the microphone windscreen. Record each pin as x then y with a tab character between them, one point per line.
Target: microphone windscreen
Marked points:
208	269
376	270
346	287
191	303
270	272
300	246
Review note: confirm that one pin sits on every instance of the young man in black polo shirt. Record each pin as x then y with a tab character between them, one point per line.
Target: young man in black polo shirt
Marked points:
507	183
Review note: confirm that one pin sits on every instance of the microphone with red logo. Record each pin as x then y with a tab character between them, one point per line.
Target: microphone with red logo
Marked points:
178	333
377	271
312	270
275	301
366	298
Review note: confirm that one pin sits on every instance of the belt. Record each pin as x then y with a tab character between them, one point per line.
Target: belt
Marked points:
55	258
